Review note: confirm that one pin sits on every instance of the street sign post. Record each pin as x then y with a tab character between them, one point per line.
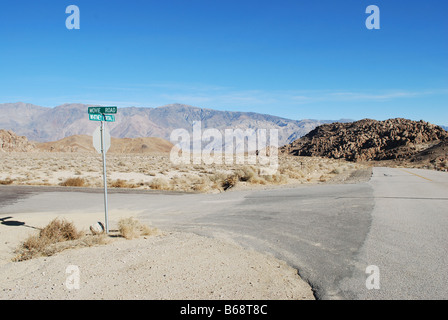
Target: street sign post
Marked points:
101	117
102	110
101	142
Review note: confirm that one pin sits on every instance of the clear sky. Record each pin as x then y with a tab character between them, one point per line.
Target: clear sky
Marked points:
296	59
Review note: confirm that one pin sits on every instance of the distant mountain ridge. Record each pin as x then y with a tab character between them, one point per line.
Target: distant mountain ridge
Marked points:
43	124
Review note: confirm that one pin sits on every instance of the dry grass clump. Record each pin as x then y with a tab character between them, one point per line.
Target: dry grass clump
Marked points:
202	184
57	236
230	181
119	183
251	175
247	173
189	182
74	182
55	231
292	171
130	228
160	184
59	230
277	178
7	181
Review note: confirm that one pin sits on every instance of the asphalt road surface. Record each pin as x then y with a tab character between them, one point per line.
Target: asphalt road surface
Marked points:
382	239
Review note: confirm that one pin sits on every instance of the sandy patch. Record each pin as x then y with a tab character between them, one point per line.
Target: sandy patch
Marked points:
168	266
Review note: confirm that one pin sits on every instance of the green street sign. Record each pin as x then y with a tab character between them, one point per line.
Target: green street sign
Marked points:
102	110
100	117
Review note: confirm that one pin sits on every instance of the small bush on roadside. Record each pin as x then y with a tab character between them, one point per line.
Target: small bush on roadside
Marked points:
130	228
43	243
159	184
246	174
7	181
121	184
230	181
74	182
60	230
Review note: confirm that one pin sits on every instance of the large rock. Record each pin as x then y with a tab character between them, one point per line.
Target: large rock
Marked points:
10	142
367	139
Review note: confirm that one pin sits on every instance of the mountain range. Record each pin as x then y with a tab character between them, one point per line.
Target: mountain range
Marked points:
44	124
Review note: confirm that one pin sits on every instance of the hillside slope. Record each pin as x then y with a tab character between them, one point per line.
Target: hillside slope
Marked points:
83	143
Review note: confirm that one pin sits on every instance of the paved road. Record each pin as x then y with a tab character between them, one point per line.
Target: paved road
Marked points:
408	237
398	222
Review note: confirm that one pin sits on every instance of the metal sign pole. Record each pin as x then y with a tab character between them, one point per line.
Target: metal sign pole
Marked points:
106	217
101	142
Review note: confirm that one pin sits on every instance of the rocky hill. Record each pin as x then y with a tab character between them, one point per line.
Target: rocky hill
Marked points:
44	124
434	157
76	143
11	142
367	140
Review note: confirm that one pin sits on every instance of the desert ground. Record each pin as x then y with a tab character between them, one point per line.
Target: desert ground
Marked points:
165	265
157	172
170	265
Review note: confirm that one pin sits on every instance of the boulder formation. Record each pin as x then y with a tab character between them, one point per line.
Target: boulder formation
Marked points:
366	140
11	142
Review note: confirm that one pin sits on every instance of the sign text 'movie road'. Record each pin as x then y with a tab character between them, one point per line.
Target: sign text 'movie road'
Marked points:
102	110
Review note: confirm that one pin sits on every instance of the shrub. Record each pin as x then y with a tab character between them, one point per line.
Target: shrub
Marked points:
159	184
43	243
73	182
275	178
121	184
7	181
247	174
60	230
202	185
230	181
131	228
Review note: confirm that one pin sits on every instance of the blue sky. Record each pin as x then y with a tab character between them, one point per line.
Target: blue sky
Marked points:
295	59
